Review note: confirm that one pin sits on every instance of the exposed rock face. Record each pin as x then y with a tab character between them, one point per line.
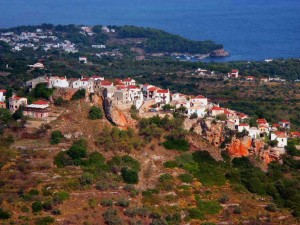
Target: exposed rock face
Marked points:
238	148
112	113
65	93
219	53
213	131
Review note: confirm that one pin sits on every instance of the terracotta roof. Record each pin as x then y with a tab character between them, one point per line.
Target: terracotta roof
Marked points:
296	133
281	134
132	87
2	103
275	125
199	97
152	89
284	121
244	125
163	91
216	108
105	83
259	121
40	102
119	87
3	91
85	79
250	77
234	71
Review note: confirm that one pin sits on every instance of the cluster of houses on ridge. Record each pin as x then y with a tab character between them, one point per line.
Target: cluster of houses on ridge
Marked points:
128	92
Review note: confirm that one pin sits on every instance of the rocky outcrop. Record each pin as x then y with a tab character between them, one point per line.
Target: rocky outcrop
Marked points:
65	93
112	113
240	147
213	131
219	53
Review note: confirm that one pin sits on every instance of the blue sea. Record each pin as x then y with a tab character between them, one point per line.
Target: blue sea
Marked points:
249	29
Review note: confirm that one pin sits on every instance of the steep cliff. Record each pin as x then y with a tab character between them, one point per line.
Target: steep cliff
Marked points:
238	147
212	131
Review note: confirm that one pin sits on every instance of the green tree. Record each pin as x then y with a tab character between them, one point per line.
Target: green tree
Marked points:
130	176
95	113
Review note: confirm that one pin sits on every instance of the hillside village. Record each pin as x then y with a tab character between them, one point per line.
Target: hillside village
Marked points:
150	100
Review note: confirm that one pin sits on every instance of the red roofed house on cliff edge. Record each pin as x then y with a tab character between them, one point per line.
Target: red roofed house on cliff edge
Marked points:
38	109
233	74
216	110
129	81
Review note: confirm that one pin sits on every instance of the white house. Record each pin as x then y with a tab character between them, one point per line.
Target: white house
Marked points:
179	97
134	92
243	126
162	96
199	100
83	60
199	110
250	78
2	95
58	82
37	66
38	109
216	110
254	132
15	102
281	137
285	124
129	81
233	74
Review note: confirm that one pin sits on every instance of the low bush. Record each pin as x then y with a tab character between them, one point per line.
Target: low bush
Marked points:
60	197
37	206
186	178
130	176
4	215
176	144
56	137
79	94
95	113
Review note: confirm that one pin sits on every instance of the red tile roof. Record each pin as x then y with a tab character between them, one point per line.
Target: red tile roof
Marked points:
152	89
199	97
163	91
2	103
85	79
40	102
128	79
284	121
261	121
244	124
106	83
3	91
132	87
234	71
216	108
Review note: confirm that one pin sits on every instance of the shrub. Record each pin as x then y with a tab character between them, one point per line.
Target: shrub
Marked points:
86	178
106	202
170	164
60	197
130	176
186	178
59	101
176	144
79	94
165	177
44	220
271	208
37	206
111	217
123	203
78	150
48	205
194	116
102	186
4	215
237	210
95	113
56	137
223	199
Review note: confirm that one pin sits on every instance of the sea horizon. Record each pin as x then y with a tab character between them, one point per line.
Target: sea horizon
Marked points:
249	30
